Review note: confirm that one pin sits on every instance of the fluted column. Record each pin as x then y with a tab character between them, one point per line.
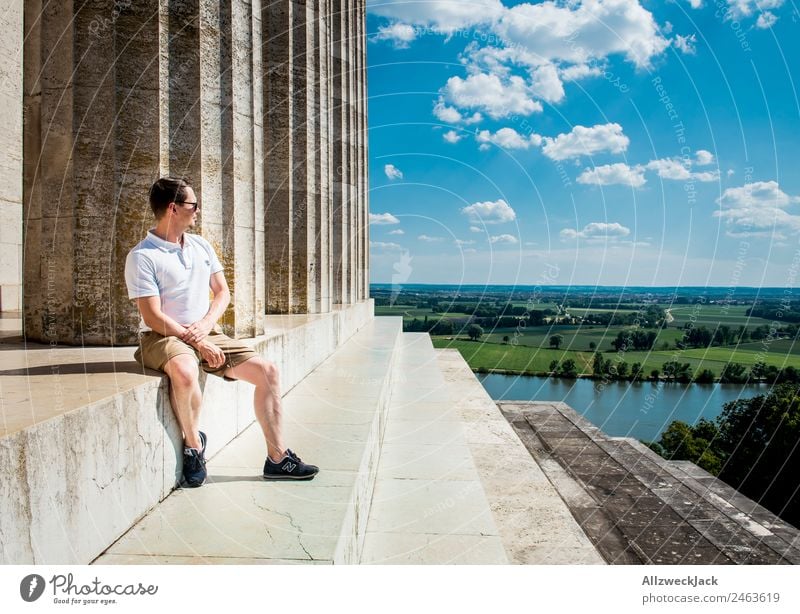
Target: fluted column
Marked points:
339	135
91	150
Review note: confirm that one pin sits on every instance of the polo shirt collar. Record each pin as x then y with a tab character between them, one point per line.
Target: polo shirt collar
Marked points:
166	246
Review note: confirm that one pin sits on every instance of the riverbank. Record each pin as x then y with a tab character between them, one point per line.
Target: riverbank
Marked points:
509	359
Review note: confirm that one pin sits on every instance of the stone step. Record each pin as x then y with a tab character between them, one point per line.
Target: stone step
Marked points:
334	418
660	511
89	443
429	505
455	484
737	525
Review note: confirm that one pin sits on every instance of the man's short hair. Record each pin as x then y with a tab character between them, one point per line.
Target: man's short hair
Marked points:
165	191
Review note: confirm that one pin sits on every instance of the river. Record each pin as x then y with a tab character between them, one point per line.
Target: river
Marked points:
624	409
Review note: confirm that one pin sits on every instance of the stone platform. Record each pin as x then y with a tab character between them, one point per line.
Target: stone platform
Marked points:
89	444
639	508
414	470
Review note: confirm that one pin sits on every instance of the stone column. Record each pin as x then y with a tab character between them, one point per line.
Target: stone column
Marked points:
322	168
339	135
365	148
91	150
11	28
294	251
352	164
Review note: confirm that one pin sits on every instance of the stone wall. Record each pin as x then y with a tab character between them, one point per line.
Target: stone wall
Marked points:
11	155
261	103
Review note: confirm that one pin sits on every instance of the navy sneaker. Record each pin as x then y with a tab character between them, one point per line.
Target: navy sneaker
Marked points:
194	464
290	467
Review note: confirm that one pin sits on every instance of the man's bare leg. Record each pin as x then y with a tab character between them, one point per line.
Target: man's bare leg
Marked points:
186	396
264	375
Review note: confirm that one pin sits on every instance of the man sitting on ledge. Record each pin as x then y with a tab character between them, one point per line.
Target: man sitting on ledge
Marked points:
169	275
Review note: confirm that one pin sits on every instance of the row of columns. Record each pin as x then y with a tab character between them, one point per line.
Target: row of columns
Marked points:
261	103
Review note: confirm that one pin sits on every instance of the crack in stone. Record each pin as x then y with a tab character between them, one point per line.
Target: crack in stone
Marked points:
288	516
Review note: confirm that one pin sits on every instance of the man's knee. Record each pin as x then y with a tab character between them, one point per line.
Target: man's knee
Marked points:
269	372
182	370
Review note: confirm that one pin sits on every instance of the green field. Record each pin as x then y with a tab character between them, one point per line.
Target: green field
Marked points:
525	359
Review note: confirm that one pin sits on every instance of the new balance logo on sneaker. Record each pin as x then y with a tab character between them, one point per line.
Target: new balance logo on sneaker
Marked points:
290	467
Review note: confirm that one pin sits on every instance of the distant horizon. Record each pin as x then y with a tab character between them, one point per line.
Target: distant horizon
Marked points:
558	286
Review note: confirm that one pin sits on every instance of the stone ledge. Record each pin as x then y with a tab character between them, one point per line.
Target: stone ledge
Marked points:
334	418
89	443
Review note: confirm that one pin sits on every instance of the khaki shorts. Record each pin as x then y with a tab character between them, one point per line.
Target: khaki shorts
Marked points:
155	350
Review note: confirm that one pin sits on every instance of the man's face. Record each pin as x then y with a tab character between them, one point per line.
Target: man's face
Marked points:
186	212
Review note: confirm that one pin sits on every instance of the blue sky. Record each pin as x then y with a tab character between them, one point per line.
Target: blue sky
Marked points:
609	142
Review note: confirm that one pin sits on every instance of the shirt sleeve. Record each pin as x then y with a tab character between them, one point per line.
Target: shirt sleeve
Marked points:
140	276
216	265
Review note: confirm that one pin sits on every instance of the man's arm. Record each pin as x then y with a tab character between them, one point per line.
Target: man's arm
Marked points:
222	297
154	318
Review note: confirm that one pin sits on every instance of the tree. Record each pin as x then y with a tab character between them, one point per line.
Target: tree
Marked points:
759	438
592	346
506	338
556	341
654	374
637	371
706	376
569	368
733	373
474	331
598	365
554	366
697	443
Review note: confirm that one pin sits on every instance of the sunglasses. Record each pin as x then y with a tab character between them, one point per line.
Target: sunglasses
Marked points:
193	205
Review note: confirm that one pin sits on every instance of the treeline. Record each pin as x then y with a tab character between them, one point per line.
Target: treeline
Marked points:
676	371
775	311
703	337
752	446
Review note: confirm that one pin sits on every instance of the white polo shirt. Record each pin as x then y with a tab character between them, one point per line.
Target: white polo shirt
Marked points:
180	276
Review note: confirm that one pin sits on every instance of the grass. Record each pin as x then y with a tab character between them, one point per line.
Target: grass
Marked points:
530	360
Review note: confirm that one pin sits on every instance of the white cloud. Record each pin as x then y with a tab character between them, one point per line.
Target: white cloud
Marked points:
597	231
428	239
758	210
671	168
446	114
580	71
382	219
475	229
451	115
703	157
491	94
686	44
583	141
731	172
465	242
546	83
611	174
440	15
706	176
696	4
766	20
451	136
399	231
746	8
392	172
504	239
679	169
577	33
507	138
498	212
400	34
382	246
470	251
